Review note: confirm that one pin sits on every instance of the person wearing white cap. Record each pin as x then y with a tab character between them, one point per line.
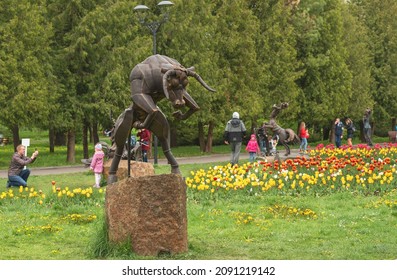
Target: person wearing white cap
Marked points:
97	164
234	133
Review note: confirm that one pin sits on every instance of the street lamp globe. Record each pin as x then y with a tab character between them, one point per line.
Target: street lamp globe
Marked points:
141	12
165	3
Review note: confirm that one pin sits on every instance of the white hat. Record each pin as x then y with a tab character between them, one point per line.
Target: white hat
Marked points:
236	115
98	146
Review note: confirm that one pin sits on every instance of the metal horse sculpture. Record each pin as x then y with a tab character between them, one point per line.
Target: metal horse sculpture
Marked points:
152	80
287	135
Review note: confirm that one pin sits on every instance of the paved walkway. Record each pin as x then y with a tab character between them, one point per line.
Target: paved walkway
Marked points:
182	160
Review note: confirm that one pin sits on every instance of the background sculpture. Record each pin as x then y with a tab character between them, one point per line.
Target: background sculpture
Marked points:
287	135
153	79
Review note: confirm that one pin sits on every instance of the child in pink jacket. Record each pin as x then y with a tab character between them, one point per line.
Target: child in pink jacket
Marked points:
252	147
97	164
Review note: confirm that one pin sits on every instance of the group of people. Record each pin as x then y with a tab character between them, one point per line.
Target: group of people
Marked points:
267	143
339	126
235	132
98	159
350	128
18	174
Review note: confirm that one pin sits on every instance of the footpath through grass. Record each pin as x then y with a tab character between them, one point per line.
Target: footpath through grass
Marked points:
58	158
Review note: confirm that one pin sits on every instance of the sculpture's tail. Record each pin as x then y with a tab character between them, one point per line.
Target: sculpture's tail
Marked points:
292	137
297	139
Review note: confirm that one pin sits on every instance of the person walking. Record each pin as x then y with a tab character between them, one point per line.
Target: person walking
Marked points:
262	140
338	132
97	164
367	126
17	175
273	141
252	148
234	133
350	131
304	135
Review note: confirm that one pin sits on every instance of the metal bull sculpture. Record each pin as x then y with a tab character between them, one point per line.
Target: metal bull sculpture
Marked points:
152	80
286	135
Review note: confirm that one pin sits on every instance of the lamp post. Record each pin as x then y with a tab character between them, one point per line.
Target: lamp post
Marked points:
154	26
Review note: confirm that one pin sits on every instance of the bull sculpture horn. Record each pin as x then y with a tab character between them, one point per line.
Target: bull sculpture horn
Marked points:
190	72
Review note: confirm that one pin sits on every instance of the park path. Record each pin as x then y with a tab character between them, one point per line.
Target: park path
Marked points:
182	160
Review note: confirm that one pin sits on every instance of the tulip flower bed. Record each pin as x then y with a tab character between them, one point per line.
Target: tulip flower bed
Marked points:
361	170
334	204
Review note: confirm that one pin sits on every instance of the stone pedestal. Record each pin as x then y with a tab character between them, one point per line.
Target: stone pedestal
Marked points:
138	169
151	211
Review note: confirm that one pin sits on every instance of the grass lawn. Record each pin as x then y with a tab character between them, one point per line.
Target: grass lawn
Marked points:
341	225
65	220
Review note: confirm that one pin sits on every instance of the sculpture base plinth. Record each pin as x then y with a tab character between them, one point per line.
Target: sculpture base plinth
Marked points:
150	211
137	169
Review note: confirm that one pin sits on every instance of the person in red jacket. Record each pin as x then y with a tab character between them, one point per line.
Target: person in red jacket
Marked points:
303	134
144	138
252	147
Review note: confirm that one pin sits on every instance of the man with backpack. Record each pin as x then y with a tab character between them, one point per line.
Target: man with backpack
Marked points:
234	133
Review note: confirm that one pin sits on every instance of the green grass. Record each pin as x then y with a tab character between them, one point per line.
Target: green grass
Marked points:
347	226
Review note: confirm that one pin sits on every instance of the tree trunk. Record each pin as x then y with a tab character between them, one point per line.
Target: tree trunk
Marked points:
60	139
210	135
254	125
15	136
51	139
201	136
332	134
85	140
362	138
71	149
95	132
326	133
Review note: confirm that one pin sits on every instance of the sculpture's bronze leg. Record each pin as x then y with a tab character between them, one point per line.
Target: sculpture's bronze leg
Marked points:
122	128
287	149
145	103
191	104
161	129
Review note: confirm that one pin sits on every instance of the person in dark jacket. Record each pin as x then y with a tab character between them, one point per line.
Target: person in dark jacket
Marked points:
367	126
338	132
17	175
234	133
350	131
